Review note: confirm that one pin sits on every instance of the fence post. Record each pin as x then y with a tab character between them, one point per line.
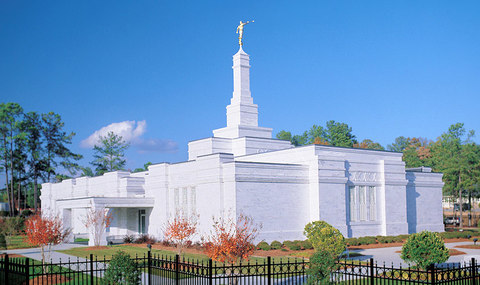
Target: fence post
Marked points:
431	268
269	272
91	268
27	270
149	269
177	269
210	272
5	281
372	272
474	272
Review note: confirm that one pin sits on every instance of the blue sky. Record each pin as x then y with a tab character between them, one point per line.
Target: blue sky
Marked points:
386	68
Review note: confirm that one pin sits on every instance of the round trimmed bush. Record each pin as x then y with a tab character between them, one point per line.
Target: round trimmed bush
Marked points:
276	244
324	237
122	270
425	249
263	246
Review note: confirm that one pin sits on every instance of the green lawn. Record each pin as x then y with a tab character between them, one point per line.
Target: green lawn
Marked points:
141	251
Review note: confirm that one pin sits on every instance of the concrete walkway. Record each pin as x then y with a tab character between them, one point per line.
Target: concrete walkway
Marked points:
35	253
391	255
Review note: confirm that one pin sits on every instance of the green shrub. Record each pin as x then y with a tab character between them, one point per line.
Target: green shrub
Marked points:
325	238
26	213
385	239
13	225
122	270
367	240
276	244
305	244
3	241
263	246
352	241
424	249
322	264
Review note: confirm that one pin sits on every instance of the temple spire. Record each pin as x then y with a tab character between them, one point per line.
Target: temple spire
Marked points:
242	113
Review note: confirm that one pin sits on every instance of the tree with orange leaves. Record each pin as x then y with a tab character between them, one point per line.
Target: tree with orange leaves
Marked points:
231	239
181	229
45	232
97	221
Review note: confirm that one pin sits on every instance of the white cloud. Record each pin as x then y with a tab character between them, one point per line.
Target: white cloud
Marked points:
131	132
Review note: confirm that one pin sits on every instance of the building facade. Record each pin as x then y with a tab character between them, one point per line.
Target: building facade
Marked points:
241	169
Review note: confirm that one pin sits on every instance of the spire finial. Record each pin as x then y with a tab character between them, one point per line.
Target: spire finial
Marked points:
240	31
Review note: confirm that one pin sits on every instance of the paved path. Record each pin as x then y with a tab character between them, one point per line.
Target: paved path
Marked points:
35	253
391	255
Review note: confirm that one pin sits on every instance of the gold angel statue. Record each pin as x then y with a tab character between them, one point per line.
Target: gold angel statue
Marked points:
240	31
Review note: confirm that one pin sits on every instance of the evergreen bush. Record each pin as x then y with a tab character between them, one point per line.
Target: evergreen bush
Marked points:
263	246
324	237
276	244
306	244
122	270
424	249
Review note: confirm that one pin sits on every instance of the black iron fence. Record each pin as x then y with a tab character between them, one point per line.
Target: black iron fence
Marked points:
269	271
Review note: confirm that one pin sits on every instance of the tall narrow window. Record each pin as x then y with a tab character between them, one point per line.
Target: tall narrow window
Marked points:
176	199
363	202
193	201
353	203
372	204
184	201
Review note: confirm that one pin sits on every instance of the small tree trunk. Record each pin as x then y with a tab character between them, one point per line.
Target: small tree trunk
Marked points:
35	194
460	200
18	197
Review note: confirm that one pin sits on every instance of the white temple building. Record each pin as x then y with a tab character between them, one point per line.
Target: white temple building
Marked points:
242	169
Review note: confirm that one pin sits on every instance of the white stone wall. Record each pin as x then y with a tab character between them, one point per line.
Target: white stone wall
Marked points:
424	202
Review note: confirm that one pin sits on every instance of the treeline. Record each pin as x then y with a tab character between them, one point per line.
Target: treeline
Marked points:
453	153
33	149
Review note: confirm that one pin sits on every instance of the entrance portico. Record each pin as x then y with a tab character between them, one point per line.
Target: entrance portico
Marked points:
129	216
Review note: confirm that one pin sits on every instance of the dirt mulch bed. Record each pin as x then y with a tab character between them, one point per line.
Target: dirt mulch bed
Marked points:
457	239
158	246
256	253
452	252
470	246
95	248
50	279
11	255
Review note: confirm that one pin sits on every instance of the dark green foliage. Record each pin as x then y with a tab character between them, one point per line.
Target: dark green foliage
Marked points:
276	244
122	270
424	249
263	246
325	237
386	239
305	244
322	263
367	240
26	213
352	241
109	154
292	245
13	225
464	234
3	241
